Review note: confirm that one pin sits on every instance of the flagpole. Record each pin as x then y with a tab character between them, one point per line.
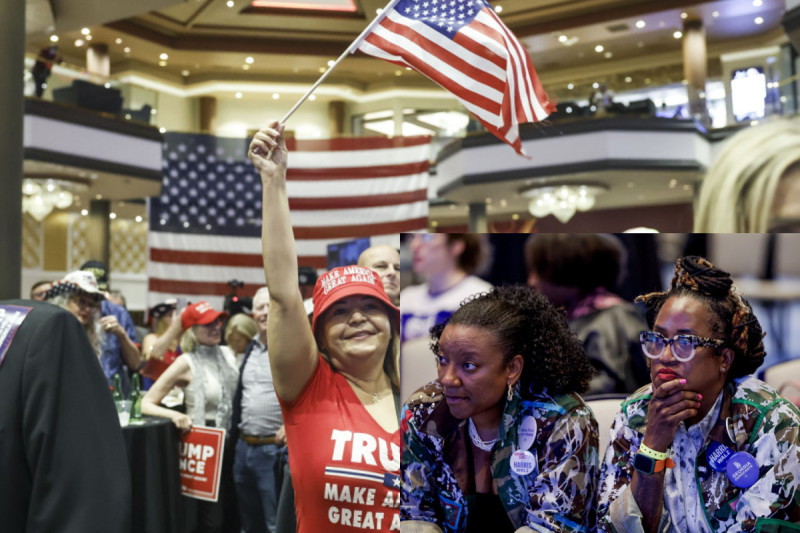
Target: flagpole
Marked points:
350	50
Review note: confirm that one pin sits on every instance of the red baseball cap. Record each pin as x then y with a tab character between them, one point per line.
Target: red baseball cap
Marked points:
200	313
342	282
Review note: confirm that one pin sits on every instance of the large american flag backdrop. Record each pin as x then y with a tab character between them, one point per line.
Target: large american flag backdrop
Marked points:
205	228
464	47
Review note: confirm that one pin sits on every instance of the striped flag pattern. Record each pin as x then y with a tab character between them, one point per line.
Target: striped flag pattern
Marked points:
205	228
464	47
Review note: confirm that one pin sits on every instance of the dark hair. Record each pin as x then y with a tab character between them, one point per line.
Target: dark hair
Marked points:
474	252
732	317
526	323
585	261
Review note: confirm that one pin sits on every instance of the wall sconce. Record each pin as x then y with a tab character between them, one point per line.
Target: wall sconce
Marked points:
562	201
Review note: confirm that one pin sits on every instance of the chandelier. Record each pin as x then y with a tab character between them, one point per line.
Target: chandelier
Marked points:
562	201
41	196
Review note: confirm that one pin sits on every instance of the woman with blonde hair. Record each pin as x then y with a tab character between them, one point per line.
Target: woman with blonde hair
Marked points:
754	184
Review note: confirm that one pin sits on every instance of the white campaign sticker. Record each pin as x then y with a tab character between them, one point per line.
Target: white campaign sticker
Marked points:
526	433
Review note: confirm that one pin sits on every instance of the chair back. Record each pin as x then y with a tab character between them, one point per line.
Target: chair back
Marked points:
605	407
785	377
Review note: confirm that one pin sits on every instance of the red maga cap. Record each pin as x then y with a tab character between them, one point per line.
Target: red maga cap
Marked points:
342	282
200	313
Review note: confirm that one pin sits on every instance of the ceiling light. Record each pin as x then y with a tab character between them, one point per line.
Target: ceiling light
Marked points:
85	31
608	55
275	96
759	20
570	86
118	41
398	72
230	3
163	56
88	37
757	3
78	43
562	38
715	14
138	218
515	216
162	63
331	62
84	212
322	69
595	85
245	67
684	15
162	130
312	97
678	34
185	73
107	85
238	95
40	196
647	81
127	49
562	201
249	60
640	24
54	38
599	48
498	9
628	79
379	11
112	216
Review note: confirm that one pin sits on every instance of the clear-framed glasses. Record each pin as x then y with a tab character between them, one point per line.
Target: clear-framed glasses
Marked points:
683	346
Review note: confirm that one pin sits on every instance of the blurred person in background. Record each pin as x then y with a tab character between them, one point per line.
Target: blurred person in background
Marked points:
161	346
580	272
120	351
706	446
447	261
208	373
39	290
257	427
753	186
239	332
77	292
384	260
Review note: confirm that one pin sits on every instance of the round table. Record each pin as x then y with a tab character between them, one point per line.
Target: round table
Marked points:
152	447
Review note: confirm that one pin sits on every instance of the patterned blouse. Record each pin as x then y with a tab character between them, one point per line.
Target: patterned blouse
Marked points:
748	416
436	466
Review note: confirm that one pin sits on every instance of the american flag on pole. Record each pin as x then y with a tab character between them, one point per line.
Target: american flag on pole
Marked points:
464	46
205	228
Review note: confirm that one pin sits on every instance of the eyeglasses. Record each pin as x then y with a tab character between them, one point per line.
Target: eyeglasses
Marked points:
87	302
683	346
212	325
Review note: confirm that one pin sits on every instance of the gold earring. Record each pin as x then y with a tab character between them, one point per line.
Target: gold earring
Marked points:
510	395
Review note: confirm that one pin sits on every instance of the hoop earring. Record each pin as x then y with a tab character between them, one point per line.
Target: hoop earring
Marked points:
510	394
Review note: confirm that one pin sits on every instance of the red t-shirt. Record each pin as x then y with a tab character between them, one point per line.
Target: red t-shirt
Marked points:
345	466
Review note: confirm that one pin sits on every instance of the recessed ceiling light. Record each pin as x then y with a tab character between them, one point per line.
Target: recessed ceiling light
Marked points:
758	3
595	85
608	55
628	79
640	24
98	196
331	62
85	31
599	48
275	96
759	20
245	67
162	63
684	15
138	218
238	95
322	69
118	40
570	86
162	130
185	73
112	216
54	38
647	81
230	3
562	38
78	43
678	34
498	9
249	60
379	11
107	85
89	37
163	56
398	73
312	97
515	216
84	212
127	49
715	14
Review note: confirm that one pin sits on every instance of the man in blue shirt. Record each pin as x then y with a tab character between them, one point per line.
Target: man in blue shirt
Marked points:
119	347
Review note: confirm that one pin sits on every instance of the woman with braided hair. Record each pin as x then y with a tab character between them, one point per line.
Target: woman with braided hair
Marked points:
706	446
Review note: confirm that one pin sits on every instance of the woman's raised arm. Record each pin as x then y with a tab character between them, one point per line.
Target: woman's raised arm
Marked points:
292	348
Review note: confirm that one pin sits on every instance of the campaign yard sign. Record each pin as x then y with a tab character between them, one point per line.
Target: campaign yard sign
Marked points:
200	462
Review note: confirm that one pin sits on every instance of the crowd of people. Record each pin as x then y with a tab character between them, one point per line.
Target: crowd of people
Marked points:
495	434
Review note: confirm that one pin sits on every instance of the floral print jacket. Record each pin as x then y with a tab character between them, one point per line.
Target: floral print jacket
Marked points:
753	418
438	482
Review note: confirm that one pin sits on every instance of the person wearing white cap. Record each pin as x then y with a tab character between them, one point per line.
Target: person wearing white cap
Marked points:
77	292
